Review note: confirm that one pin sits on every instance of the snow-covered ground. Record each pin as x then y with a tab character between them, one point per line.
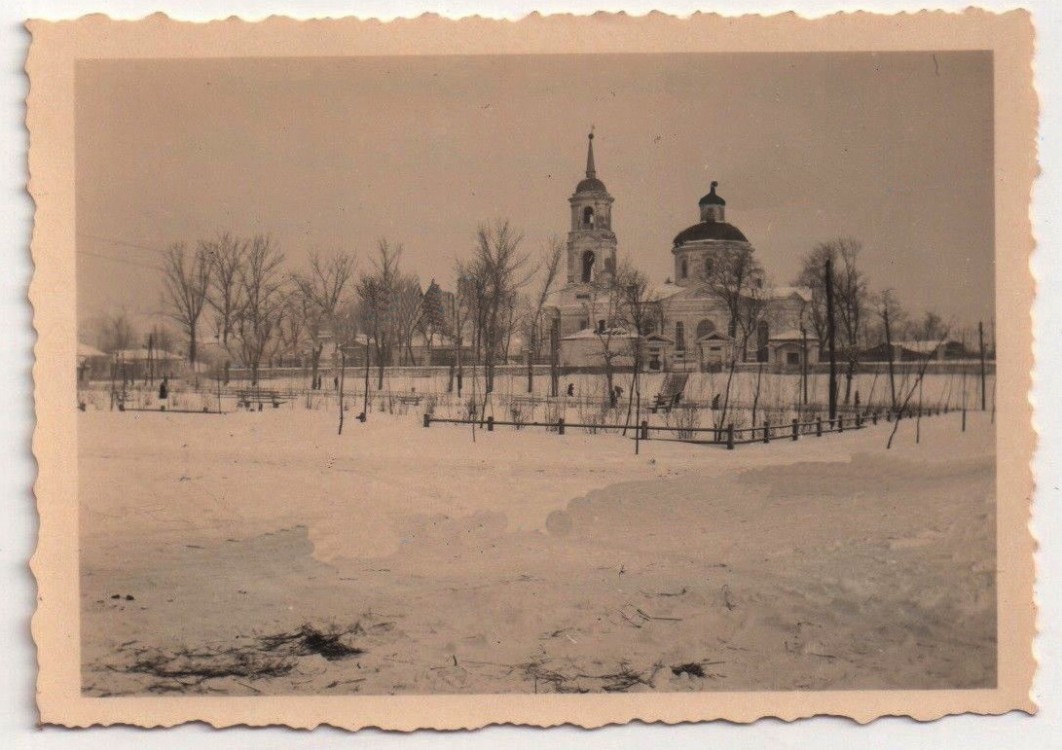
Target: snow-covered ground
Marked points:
525	560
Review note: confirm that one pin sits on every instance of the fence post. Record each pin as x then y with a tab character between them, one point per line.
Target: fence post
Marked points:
818	426
560	425
796	429
730	436
964	420
766	431
427	419
874	418
840	423
645	429
490	423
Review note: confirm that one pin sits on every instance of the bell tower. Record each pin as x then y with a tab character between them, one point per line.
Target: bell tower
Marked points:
591	242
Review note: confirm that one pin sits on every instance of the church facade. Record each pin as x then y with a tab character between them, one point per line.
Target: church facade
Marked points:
690	327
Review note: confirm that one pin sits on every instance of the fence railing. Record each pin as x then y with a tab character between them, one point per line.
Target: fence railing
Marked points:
730	436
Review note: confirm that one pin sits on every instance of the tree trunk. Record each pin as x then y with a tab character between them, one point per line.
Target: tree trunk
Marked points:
831	335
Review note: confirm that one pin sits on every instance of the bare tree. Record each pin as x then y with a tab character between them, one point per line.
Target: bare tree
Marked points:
227	254
892	318
322	288
376	292
851	296
406	315
549	270
186	277
261	285
499	270
293	323
117	332
737	281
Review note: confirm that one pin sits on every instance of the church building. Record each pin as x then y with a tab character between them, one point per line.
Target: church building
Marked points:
691	328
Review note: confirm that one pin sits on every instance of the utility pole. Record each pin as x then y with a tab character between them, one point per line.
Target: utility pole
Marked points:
365	403
888	348
342	377
831	337
554	345
804	363
981	341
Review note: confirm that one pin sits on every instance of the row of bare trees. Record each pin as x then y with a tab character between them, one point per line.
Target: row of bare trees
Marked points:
239	289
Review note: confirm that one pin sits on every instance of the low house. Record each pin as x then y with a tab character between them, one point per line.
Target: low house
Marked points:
594	347
917	351
147	364
788	350
92	364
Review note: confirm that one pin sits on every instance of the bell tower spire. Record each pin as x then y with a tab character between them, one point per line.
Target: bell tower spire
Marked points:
590	171
591	243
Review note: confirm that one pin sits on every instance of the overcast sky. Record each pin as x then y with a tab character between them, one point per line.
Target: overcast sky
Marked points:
892	149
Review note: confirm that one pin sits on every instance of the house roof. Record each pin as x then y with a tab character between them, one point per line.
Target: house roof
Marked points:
781	292
925	347
84	350
144	354
791	335
591	333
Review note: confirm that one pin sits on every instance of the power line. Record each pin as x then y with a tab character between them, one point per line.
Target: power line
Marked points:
123	243
126	261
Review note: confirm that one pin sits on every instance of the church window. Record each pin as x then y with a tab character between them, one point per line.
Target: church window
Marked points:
763	337
709	265
588	266
680	337
684	269
704	328
588	217
600	326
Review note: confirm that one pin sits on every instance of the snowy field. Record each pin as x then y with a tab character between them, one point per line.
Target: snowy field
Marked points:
261	553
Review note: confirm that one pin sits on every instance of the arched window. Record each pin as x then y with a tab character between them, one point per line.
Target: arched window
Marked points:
600	326
709	266
588	266
684	269
704	328
588	217
680	337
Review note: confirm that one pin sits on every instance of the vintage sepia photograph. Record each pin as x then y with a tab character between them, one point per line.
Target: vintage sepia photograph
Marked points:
536	374
559	374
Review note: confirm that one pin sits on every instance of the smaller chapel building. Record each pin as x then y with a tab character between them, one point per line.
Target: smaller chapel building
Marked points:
691	329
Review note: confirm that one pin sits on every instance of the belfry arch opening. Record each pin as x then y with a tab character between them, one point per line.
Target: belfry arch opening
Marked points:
588	217
588	266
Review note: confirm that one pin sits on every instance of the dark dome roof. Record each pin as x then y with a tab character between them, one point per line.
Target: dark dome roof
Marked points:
591	185
712	199
710	230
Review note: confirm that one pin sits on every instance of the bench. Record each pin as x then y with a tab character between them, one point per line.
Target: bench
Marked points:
247	398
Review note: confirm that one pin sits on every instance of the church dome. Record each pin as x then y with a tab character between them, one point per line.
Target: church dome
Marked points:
710	230
712	199
590	185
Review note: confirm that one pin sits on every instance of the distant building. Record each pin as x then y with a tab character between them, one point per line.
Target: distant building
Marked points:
697	331
917	351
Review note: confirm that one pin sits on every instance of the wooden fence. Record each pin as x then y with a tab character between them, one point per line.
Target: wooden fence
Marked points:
728	436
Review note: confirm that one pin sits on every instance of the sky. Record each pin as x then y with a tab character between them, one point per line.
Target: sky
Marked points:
328	154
